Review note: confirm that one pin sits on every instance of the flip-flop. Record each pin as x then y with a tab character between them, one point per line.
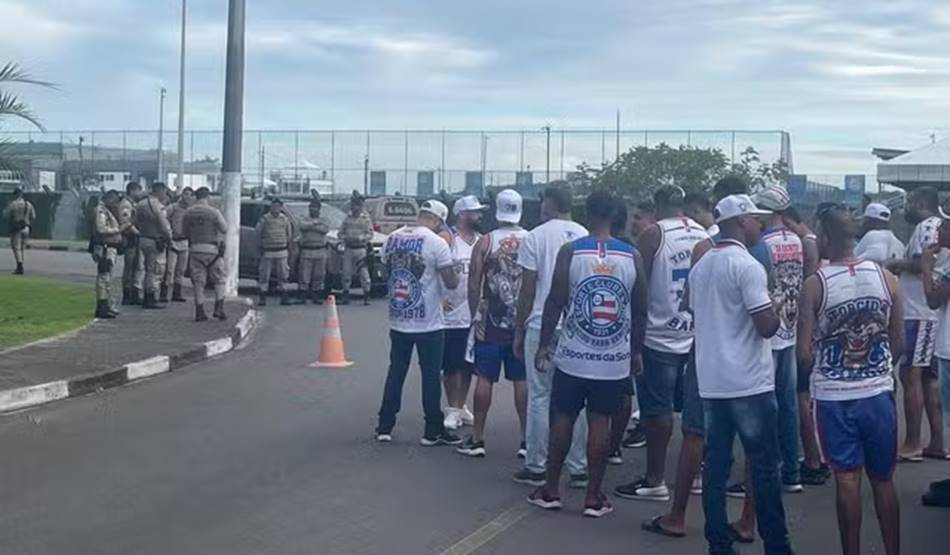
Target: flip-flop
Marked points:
739	538
944	456
910	457
653	525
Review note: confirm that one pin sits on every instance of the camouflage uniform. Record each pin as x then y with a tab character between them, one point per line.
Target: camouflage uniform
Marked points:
313	255
19	215
204	228
177	255
132	267
355	233
274	234
154	235
107	240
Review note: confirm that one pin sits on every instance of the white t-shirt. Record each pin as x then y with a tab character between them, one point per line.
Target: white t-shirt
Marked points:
455	303
942	274
414	255
915	304
879	245
727	286
538	253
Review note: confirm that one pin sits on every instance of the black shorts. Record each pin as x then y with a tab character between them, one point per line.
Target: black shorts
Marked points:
453	354
570	394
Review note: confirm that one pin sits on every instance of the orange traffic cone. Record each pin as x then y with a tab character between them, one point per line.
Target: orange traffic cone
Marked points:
331	346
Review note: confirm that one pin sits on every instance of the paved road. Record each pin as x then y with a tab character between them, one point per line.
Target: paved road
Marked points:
76	267
257	453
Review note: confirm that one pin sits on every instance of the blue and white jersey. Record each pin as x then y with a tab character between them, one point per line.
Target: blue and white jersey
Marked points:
852	346
414	255
595	336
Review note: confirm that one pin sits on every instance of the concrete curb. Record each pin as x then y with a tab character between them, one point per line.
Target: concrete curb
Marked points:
41	394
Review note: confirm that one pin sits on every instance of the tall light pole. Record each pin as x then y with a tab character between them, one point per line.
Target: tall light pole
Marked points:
181	100
233	129
161	132
547	170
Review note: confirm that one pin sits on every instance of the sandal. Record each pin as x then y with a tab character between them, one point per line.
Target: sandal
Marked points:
653	525
911	457
739	538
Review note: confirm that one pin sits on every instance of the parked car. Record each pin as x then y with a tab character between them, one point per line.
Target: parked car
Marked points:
253	209
391	213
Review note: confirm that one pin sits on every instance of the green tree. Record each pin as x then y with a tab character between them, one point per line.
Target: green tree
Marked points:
641	170
13	107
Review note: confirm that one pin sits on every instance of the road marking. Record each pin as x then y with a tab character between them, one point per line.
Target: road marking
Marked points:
469	544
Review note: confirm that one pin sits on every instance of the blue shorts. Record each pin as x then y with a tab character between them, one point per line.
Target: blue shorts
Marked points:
657	383
921	336
489	358
861	433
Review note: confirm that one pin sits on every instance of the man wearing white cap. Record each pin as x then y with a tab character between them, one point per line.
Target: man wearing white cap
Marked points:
420	265
729	296
456	371
494	283
879	244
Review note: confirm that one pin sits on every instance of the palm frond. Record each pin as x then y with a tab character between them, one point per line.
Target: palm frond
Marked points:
8	161
13	73
12	106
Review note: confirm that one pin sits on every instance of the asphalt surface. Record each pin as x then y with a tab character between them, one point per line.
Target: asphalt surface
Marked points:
256	452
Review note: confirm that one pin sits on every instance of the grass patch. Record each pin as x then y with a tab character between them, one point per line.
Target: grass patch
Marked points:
33	308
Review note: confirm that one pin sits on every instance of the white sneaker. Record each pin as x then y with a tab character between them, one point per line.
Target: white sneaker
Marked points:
453	419
697	486
468	419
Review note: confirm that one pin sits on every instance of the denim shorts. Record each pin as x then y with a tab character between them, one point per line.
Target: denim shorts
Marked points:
694	418
657	383
860	433
489	358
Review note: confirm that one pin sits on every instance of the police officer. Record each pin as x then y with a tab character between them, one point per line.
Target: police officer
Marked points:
313	253
155	234
132	268
107	238
356	232
204	228
20	215
177	255
274	234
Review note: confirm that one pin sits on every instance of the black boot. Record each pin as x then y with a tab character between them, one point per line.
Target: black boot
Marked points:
285	299
262	299
163	293
366	297
136	297
126	297
102	310
219	310
113	311
19	269
200	315
301	296
176	294
346	298
316	297
151	303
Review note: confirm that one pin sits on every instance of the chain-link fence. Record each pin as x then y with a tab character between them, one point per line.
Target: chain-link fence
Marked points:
375	161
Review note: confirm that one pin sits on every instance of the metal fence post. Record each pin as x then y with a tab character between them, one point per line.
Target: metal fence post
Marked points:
442	167
405	176
296	158
562	154
333	156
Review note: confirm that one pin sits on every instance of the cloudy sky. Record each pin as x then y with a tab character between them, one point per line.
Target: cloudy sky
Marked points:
842	77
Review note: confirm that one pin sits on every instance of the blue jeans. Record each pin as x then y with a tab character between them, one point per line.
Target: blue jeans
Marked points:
786	394
429	347
754	419
538	420
656	385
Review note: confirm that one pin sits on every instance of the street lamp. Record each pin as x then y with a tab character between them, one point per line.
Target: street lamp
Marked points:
181	100
233	129
161	132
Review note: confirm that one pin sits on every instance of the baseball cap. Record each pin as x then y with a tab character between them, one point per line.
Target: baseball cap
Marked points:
466	204
734	206
508	206
773	197
435	207
877	211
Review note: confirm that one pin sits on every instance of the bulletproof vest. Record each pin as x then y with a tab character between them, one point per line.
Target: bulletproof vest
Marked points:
126	212
356	230
19	210
107	227
274	232
147	217
313	232
202	226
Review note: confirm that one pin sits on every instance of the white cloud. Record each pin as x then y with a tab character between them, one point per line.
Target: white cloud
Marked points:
25	28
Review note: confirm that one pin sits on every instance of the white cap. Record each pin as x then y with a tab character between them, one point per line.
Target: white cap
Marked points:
468	203
435	207
508	206
734	206
877	211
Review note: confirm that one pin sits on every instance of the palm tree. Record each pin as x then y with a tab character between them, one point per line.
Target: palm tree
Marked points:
11	106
